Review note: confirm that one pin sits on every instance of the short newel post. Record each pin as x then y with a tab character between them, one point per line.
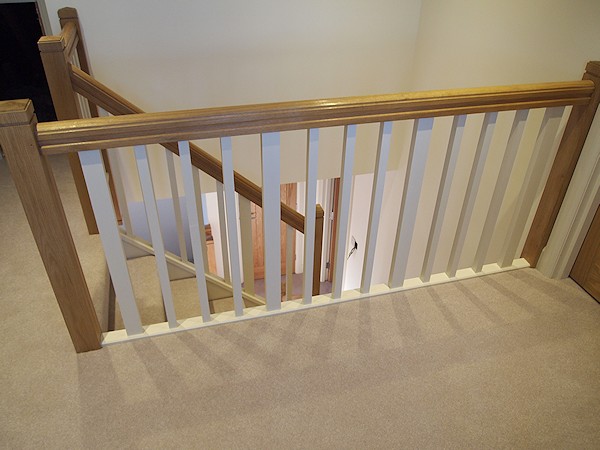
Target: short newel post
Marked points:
572	142
37	189
316	288
53	51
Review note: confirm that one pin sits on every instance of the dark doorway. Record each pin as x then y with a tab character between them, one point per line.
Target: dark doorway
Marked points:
21	70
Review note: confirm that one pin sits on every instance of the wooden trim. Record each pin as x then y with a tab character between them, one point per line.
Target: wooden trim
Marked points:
69	21
572	142
70	38
69	136
113	103
39	195
586	267
316	287
52	51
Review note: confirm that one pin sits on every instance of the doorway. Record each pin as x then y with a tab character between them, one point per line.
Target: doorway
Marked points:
21	71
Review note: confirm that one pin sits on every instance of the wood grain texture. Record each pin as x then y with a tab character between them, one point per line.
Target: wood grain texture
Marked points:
54	59
572	142
113	103
171	126
41	201
70	26
586	271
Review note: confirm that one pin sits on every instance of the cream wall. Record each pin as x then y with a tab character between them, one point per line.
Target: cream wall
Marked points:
178	54
467	43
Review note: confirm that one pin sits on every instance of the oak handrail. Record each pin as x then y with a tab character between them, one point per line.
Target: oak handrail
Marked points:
110	101
86	134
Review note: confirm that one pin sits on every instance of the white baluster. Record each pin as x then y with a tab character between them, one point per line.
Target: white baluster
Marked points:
115	166
533	178
194	212
232	233
176	205
516	133
271	198
141	156
200	215
289	261
383	151
95	179
222	227
483	146
441	203
312	163
413	181
343	212
247	243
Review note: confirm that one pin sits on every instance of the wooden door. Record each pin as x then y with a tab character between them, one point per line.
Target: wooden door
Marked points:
586	271
288	196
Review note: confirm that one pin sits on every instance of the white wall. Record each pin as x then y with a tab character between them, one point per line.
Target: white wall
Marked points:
181	54
468	43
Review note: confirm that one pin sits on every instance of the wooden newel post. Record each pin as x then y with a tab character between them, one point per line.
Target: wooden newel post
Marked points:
316	289
55	58
574	137
37	189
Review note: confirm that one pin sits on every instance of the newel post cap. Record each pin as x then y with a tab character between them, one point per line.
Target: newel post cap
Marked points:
16	112
593	68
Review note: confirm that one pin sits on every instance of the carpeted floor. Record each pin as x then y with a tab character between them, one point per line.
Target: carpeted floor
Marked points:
505	361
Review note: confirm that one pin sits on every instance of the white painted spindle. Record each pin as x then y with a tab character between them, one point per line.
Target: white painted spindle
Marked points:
115	166
441	203
95	179
141	157
194	213
383	151
271	197
176	205
312	164
533	178
247	243
483	146
417	158
514	140
200	215
232	233
343	212
222	227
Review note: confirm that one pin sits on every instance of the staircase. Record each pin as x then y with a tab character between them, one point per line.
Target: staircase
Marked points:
158	292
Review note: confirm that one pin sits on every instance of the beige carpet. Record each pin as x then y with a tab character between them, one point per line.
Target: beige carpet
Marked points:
505	361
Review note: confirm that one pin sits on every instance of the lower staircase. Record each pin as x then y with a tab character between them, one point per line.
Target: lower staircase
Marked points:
141	264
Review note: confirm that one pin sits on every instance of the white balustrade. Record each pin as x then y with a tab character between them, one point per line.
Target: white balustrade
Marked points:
533	179
271	198
481	151
383	151
194	213
417	158
143	165
506	167
441	203
95	178
176	205
343	212
232	232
